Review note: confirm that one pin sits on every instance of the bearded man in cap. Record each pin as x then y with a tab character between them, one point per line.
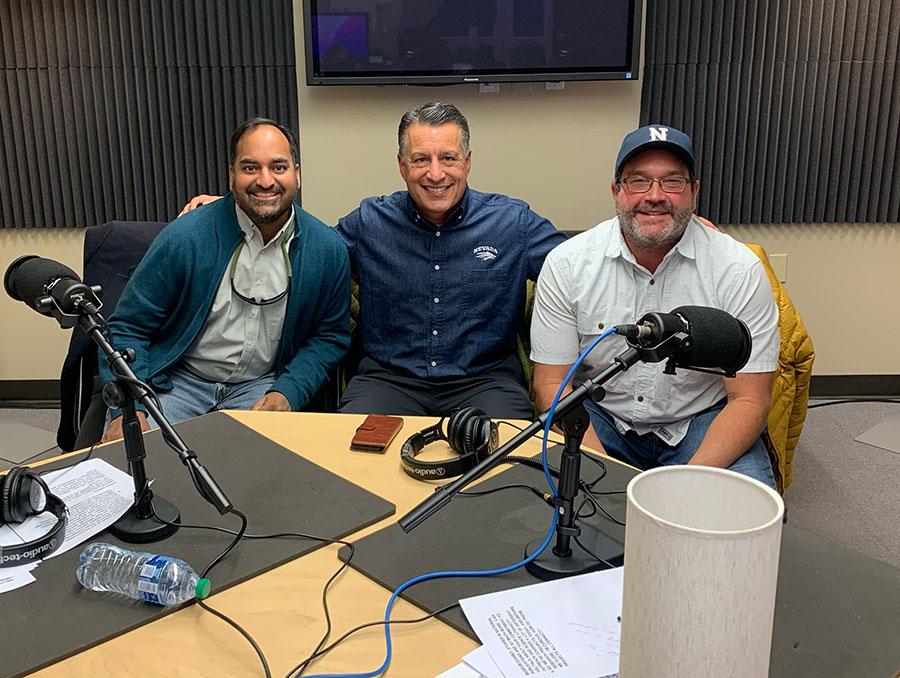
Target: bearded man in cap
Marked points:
656	256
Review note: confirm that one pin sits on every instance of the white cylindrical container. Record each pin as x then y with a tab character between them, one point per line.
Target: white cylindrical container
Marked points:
701	567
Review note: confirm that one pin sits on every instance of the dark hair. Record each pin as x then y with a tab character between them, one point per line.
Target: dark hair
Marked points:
433	114
250	125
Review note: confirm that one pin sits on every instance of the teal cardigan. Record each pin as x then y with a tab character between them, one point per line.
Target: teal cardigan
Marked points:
166	302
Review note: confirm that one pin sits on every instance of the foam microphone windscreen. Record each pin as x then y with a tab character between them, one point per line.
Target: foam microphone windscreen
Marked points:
718	339
27	277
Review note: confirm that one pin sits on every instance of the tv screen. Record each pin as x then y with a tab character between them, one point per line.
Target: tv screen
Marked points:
379	42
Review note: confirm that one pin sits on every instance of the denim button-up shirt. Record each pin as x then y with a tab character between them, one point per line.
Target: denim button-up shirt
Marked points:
444	301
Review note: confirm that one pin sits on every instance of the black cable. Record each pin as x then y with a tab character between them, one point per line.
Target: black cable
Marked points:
599	462
215	561
593	555
238	535
275	535
853	400
74	463
586	487
367	625
240	630
514	486
589	497
234	542
511	425
302	666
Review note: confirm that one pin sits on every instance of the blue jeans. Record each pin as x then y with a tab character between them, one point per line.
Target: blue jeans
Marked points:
192	396
649	451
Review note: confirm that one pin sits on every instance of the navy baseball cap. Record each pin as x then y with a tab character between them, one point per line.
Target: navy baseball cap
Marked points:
657	136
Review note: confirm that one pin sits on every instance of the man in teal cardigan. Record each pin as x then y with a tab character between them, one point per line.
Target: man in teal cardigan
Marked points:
243	303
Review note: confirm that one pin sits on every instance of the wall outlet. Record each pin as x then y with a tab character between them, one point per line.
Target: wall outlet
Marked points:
488	87
555	85
779	265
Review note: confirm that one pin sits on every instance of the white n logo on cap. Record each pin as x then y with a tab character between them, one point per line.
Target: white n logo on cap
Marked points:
658	133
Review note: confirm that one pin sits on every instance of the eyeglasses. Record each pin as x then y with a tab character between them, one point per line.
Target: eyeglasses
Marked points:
261	302
643	184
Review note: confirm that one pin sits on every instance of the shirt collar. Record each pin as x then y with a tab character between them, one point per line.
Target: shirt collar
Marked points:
456	214
686	246
251	231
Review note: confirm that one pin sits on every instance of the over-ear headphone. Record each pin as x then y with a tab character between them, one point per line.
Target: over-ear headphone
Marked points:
469	431
24	493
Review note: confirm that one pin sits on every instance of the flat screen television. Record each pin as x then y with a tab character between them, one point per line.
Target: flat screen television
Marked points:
429	42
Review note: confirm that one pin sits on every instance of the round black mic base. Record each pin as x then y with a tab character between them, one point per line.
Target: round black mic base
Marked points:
596	551
134	530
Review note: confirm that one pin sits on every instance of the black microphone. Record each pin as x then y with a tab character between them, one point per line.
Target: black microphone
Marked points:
49	287
719	340
715	339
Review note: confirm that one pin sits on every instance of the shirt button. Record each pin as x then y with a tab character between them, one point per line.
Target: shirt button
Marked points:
438	234
652	281
437	267
433	364
640	399
434	332
436	300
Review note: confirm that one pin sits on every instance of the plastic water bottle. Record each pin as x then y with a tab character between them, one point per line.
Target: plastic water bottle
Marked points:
162	580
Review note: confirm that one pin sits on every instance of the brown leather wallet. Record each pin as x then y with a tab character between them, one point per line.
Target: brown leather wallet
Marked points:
376	433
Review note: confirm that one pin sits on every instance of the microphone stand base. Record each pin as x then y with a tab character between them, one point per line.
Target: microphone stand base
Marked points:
584	559
134	530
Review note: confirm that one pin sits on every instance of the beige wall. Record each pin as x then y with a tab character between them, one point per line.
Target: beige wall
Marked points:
554	149
33	346
844	279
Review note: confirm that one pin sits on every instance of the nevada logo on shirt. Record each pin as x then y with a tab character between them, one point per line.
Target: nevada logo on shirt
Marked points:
485	252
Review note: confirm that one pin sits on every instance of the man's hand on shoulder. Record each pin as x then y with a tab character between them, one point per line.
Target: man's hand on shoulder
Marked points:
114	430
272	401
197	201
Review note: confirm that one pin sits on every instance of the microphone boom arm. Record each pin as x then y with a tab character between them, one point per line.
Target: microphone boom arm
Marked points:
135	391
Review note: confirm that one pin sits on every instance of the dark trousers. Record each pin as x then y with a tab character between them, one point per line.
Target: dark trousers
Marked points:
377	389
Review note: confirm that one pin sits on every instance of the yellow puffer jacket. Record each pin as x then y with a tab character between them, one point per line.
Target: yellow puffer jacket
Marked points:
791	390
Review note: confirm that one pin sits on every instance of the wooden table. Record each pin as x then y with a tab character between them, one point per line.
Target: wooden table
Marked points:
282	608
836	613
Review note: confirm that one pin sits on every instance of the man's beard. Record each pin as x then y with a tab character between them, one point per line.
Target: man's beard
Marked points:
263	215
663	240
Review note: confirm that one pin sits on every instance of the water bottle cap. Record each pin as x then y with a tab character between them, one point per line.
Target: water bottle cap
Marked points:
202	588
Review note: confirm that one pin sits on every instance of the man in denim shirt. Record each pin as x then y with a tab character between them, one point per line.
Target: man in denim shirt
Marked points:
442	273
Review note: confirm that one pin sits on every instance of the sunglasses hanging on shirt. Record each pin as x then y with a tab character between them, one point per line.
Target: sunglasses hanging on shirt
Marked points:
251	300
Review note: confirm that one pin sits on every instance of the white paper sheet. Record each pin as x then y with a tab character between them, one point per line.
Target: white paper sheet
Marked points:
460	671
13	577
568	628
96	494
481	662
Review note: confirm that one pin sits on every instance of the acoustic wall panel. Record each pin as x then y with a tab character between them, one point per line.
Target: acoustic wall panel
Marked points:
122	109
793	105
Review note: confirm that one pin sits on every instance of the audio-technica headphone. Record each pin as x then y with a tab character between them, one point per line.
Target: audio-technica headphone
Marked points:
469	431
24	493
